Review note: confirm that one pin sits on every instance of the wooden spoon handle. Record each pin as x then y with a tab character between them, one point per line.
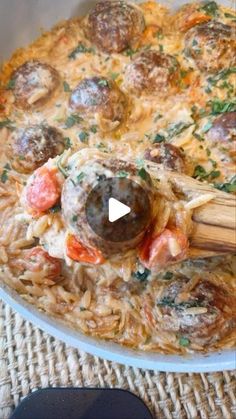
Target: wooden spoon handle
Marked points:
214	223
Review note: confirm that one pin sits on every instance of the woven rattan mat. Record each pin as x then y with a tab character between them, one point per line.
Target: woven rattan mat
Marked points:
30	359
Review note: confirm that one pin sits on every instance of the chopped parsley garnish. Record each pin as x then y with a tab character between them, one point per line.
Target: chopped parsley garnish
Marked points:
210	8
168	275
207	126
139	163
141	276
103	83
177	129
159	34
122	173
184	341
93	129
103	147
228	187
66	87
68	143
159	138
114	76
61	168
143	173
83	136
221	106
161	48
75	218
198	136
6	123
201	173
130	52
11	84
55	209
72	120
222	75
80	177
80	49
170	302
4	176
183	73
230	16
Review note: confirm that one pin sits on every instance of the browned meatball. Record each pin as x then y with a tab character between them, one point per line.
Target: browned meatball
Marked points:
223	132
100	96
167	154
216	315
86	212
29	148
34	82
114	25
152	72
211	45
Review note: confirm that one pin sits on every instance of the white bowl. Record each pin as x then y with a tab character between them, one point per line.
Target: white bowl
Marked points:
20	23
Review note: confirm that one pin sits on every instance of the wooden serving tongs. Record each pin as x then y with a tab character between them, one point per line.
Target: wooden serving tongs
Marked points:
214	223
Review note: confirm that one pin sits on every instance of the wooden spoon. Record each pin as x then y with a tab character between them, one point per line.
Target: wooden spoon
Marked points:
214	223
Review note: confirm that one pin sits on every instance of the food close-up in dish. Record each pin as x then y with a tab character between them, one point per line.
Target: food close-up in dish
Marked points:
135	92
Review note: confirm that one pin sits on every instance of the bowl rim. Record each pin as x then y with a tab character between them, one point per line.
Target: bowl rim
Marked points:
196	363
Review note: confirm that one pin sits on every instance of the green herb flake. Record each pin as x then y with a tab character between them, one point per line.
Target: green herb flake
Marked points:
161	48
198	136
141	276
122	173
229	187
80	177
221	106
130	52
7	166
214	174
230	16
83	136
159	138
199	172
66	87
75	218
6	123
210	8
4	176
11	84
68	143
159	34
72	120
168	275
55	209
114	76
103	83
177	129
184	341
61	168
206	127
143	173
94	129
222	75
80	49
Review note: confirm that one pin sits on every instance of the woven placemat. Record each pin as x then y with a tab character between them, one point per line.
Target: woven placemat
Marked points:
31	359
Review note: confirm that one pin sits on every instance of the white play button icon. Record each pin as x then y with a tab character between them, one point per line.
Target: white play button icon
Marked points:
117	210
